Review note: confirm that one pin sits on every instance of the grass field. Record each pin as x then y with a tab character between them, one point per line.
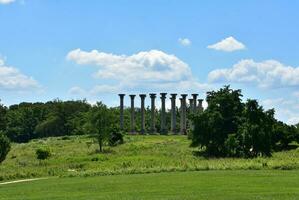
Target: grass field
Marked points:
78	156
217	184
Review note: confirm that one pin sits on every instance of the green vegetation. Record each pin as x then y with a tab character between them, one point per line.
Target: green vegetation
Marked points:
208	185
43	153
231	128
4	146
79	156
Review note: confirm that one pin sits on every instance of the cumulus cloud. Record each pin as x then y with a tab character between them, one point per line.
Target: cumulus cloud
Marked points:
228	44
6	1
184	41
12	79
286	110
146	70
265	74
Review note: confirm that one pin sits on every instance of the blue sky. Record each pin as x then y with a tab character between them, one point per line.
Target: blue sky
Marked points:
96	49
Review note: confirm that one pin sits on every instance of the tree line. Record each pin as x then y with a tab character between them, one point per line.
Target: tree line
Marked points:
228	127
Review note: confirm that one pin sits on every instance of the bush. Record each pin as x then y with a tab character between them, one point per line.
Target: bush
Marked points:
116	137
4	146
43	153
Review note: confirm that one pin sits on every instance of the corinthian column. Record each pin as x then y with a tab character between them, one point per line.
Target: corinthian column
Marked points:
194	102
200	107
153	109
142	96
121	112
183	114
173	113
132	96
163	114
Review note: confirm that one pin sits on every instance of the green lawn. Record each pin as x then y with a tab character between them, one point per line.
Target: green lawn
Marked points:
78	156
216	184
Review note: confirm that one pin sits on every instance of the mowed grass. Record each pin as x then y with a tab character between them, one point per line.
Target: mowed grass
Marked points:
204	185
78	156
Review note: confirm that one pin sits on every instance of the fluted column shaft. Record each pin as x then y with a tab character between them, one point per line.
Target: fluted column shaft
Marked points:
173	113
191	108
121	112
200	107
163	113
142	96
153	109
132	96
184	116
194	102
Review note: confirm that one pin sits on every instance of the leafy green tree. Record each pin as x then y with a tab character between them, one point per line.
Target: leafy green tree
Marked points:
4	146
229	127
221	118
283	135
256	130
100	119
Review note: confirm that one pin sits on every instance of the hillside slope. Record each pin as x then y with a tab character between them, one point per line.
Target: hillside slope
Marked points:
78	156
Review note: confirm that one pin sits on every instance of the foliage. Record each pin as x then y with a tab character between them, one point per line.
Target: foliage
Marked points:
4	146
229	127
43	153
116	136
3	111
100	123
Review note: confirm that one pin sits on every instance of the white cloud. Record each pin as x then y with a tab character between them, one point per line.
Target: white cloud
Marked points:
147	70
228	44
184	41
77	91
286	110
12	79
6	1
265	74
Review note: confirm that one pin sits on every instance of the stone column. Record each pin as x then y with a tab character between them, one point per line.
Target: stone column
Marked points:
183	113
191	108
153	109
194	102
132	96
163	114
142	96
200	107
121	111
181	117
173	113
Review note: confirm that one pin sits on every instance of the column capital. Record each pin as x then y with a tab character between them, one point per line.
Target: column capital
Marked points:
194	95
132	96
163	95
121	95
200	100
142	96
184	96
173	95
153	95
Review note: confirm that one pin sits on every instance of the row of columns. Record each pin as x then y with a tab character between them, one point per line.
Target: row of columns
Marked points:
183	113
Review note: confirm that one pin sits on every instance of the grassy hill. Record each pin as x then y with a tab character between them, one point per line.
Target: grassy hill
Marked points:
78	156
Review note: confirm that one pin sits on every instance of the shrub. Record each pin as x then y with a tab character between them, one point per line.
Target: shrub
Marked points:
43	153
115	137
4	146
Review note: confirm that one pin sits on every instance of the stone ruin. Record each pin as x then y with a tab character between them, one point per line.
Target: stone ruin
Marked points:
195	106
